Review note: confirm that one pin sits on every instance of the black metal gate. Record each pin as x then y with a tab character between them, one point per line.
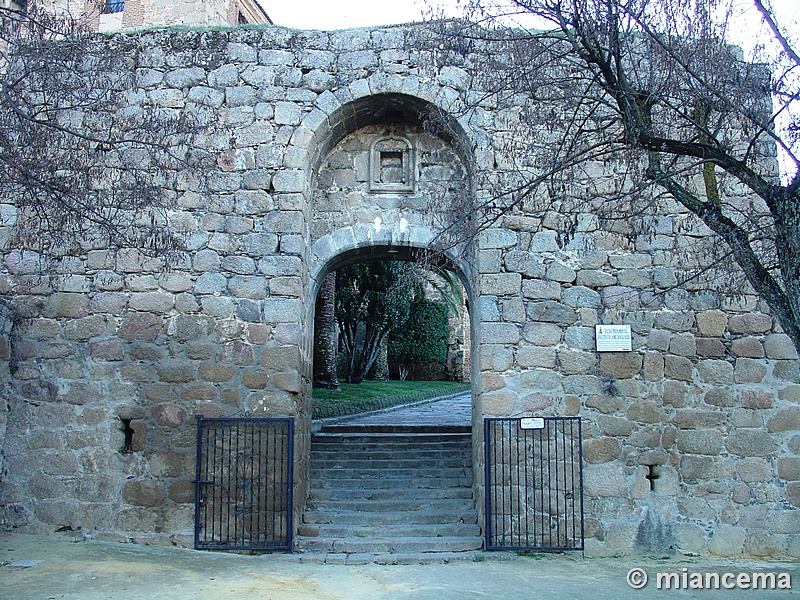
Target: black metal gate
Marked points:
534	484
243	485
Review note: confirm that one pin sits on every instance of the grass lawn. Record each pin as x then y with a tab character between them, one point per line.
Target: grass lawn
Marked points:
372	395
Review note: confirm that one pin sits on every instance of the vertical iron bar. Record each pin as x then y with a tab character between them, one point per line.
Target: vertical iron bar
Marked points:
237	492
290	486
249	441
217	489
274	457
229	495
259	507
580	475
556	425
515	488
527	508
487	446
197	480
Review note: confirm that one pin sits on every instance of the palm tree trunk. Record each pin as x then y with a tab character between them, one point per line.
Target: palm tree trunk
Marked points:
325	336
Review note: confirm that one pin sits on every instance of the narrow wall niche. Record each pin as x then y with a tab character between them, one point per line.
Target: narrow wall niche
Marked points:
392	166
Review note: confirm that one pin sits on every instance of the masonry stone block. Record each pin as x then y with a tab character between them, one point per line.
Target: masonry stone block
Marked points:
601	450
751	470
750	323
243	286
534	403
779	346
790	393
747	347
539	289
496	238
140	326
560	272
789	468
756	398
496	357
551	311
793	493
653	366
576	361
168	415
620	365
710	348
712	323
583	385
615	426
683	344
695	419
750	370
500	284
66	304
785	420
787	370
142	492
674	320
728	540
700	441
678	368
289	381
500	333
542	334
540	379
536	356
751	442
604	480
581	338
717	372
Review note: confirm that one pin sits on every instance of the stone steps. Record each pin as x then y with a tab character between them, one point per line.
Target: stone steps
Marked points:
418	517
389	493
395	544
385	477
405	531
322	465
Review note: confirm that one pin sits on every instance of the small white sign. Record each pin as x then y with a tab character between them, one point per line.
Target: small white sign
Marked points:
613	338
531	423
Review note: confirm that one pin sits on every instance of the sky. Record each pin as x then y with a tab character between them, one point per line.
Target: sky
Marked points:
343	14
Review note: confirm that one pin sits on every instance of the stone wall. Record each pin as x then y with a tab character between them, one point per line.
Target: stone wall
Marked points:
320	159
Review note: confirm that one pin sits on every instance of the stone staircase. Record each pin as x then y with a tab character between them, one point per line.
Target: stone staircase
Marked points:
396	490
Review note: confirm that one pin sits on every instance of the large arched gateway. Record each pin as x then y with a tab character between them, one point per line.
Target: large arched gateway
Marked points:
320	149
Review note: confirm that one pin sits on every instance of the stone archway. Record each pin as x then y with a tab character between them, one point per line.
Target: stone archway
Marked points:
394	482
383	187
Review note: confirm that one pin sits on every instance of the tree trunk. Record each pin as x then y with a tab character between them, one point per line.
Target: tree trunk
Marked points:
325	336
380	368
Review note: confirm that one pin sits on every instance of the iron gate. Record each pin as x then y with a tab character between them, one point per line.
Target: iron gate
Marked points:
534	484
243	484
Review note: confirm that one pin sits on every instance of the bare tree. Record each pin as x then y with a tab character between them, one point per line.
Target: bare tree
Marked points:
621	108
84	162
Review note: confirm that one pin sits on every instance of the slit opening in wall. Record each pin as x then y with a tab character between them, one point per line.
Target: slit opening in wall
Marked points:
126	429
653	473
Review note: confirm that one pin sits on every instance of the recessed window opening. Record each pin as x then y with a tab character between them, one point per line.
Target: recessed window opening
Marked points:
652	475
392	167
127	448
114	6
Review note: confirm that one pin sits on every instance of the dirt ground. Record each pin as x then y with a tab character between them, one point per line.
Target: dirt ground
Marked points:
92	570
